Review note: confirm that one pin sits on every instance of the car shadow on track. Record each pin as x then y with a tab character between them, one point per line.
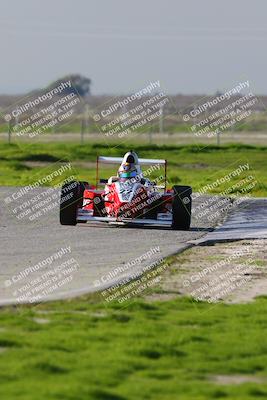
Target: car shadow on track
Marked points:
146	227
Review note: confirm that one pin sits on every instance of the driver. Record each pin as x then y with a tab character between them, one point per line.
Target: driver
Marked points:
130	171
130	167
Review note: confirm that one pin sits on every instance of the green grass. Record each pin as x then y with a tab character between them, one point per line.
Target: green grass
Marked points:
158	351
194	165
85	349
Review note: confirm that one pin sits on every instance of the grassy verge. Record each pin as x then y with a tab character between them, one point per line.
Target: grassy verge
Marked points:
81	349
193	165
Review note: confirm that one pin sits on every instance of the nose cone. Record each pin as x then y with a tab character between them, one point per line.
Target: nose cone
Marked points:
133	205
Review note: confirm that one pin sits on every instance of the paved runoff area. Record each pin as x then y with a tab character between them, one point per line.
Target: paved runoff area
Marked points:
247	222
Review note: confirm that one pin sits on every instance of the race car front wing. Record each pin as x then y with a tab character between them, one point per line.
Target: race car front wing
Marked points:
87	215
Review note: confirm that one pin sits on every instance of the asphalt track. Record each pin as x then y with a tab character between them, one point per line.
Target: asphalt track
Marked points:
248	222
34	267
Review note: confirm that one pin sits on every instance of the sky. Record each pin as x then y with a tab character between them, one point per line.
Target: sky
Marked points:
192	47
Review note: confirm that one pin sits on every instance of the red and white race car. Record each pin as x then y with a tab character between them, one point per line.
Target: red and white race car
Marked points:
127	198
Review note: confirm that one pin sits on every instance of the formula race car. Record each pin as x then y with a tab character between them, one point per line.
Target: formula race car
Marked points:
130	197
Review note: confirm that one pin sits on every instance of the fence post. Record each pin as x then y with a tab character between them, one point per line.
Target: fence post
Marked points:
9	132
84	121
161	120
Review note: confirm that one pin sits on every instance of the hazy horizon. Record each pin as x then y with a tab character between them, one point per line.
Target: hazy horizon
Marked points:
192	48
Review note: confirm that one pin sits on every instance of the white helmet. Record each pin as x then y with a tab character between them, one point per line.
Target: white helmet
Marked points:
130	166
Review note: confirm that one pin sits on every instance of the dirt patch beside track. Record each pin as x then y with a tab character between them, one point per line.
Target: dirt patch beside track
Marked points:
233	272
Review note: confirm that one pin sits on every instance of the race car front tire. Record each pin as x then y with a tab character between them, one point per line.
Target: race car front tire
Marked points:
181	207
71	199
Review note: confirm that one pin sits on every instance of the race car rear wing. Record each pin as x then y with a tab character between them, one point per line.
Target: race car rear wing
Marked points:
142	161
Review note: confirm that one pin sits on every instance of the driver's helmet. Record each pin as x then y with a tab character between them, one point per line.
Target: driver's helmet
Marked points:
130	167
127	170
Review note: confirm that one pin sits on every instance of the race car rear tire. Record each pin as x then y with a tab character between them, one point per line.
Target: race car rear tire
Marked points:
181	207
71	199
